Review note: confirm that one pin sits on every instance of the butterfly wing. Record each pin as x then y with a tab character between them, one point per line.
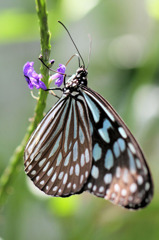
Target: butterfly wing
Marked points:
58	156
119	171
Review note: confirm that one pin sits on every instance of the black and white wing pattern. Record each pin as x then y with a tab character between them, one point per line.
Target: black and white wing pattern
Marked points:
119	171
58	156
83	145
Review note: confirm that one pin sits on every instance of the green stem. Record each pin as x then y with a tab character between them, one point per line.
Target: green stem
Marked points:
15	163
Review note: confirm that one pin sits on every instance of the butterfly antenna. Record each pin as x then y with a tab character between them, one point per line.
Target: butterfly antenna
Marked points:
90	49
75	55
72	42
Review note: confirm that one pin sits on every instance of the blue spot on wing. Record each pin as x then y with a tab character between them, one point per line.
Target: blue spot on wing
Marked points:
81	135
131	162
91	128
116	149
59	158
75	121
104	130
75	151
97	152
93	108
122	145
67	159
109	160
56	146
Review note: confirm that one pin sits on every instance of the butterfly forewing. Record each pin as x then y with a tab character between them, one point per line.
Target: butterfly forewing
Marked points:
119	171
58	156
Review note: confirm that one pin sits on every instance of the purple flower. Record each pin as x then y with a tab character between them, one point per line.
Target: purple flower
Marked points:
32	78
59	76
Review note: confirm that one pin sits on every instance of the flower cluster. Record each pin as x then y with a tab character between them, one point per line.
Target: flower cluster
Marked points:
34	79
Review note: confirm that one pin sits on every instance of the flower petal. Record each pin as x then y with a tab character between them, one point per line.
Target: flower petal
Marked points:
59	80
61	68
59	76
32	78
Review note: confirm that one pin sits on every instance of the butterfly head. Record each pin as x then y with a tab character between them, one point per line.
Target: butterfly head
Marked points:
81	76
76	80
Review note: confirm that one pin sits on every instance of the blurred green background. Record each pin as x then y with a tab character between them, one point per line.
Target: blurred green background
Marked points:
124	68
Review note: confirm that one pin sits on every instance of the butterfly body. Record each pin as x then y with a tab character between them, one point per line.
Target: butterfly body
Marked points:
83	145
76	80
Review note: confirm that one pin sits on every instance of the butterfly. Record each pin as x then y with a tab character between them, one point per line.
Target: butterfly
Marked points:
83	145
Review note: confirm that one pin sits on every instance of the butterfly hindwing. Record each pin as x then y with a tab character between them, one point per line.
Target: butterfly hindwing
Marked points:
58	156
119	172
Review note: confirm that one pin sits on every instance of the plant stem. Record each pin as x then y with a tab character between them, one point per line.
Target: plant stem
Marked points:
15	163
